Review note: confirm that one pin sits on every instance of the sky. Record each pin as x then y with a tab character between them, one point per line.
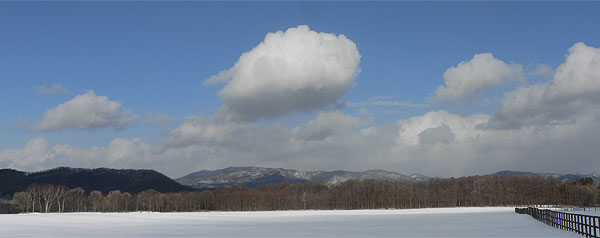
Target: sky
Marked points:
436	88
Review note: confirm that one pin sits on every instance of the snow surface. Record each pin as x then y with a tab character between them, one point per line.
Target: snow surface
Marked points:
438	222
593	211
588	211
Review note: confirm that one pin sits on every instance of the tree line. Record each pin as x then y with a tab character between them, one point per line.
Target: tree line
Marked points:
353	194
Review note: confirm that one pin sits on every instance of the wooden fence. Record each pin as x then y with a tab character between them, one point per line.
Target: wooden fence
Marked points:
585	225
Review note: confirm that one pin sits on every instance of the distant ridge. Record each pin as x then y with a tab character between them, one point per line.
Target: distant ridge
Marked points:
256	176
102	179
562	177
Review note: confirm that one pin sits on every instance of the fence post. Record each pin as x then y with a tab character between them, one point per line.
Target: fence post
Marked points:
595	234
560	221
577	224
581	221
577	218
565	222
572	223
596	224
587	226
579	230
581	224
568	216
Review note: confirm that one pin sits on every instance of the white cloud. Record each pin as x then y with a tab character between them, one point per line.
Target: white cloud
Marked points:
437	143
196	130
557	121
31	156
295	70
123	150
385	101
37	154
574	90
465	80
52	90
86	111
157	120
328	124
23	123
542	70
463	128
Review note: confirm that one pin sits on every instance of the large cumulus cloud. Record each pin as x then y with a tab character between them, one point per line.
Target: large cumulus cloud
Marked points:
294	70
573	91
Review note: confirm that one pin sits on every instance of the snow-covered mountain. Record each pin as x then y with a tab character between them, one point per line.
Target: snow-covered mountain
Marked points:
254	176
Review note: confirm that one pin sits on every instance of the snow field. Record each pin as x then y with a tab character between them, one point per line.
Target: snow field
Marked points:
435	222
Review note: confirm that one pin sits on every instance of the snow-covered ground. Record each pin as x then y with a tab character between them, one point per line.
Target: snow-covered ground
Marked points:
440	222
593	211
587	211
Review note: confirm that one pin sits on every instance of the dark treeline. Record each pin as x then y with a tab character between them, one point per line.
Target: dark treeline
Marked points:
365	194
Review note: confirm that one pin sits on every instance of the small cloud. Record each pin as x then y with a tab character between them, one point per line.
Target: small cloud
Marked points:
23	123
483	71
86	111
52	90
366	117
197	130
221	78
385	101
542	70
157	120
328	124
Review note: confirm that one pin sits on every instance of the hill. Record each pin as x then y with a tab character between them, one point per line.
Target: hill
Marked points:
102	179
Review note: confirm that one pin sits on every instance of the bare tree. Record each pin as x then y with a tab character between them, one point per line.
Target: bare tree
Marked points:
126	199
34	191
207	199
95	199
114	200
76	198
22	201
59	194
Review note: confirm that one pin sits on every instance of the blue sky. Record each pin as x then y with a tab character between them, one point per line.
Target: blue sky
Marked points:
153	59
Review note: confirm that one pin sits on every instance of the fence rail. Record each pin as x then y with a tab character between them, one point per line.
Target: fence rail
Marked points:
585	225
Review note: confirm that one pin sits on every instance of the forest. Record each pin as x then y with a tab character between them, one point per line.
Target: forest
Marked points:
353	194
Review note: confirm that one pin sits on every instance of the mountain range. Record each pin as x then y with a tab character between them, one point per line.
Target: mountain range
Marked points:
135	180
255	176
